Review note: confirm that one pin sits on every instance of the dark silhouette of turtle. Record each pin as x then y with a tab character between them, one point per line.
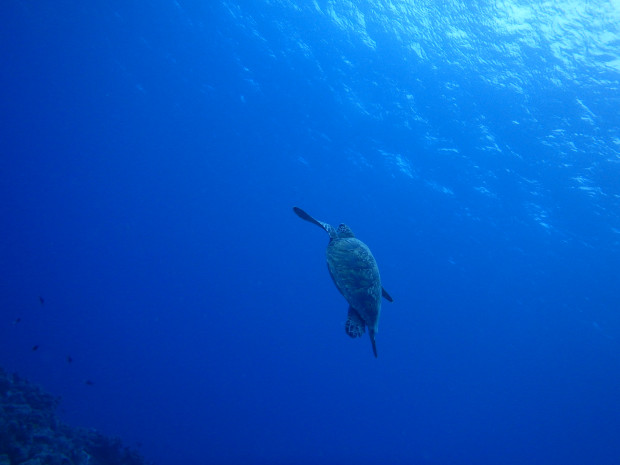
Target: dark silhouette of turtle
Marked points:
356	275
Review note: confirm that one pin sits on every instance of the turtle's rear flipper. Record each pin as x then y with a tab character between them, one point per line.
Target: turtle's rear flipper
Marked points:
354	326
386	296
372	341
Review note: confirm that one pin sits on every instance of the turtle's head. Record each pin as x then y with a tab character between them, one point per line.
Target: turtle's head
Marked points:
344	231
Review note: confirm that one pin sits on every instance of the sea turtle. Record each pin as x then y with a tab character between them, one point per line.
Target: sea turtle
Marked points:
356	275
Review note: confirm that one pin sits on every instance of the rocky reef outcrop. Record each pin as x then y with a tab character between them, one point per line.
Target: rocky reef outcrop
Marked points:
31	434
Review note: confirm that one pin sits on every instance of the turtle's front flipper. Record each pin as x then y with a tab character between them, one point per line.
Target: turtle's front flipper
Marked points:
386	296
304	216
371	333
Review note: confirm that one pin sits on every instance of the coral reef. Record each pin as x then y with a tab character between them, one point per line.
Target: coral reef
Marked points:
31	434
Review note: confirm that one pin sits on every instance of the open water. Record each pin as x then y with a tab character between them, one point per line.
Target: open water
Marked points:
151	154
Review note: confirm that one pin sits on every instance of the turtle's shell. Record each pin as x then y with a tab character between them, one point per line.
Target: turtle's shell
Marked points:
356	275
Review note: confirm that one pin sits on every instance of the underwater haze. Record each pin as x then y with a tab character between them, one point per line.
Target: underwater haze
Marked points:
151	154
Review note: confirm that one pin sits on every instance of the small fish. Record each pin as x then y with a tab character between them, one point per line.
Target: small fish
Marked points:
41	300
16	320
69	359
35	347
89	382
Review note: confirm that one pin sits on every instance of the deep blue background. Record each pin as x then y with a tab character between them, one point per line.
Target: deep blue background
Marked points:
150	156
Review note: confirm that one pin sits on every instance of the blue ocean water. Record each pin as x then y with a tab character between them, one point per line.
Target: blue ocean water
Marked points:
151	156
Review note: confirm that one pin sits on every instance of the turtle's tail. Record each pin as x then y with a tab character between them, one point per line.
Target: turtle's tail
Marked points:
371	333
